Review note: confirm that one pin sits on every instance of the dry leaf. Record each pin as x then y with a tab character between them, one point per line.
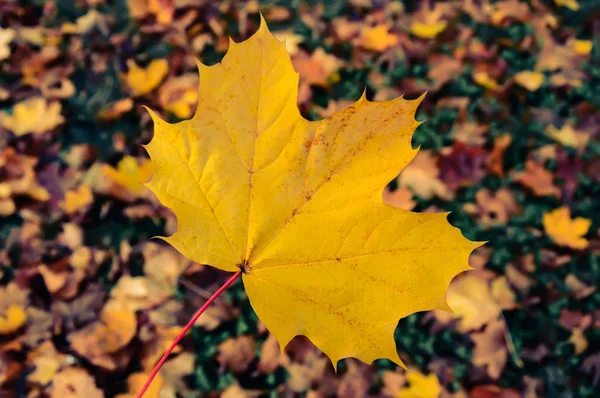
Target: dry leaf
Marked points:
179	95
317	67
566	231
143	80
401	198
6	36
257	178
420	385
237	353
568	136
495	160
137	380
579	340
377	38
291	40
578	288
471	299
490	348
538	179
529	79
77	199
13	301
74	383
572	5
33	115
422	177
130	174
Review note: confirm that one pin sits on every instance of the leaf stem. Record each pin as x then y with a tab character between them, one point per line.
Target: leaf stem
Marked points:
185	330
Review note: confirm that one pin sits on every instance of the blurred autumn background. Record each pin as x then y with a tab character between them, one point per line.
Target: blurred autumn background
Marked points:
89	302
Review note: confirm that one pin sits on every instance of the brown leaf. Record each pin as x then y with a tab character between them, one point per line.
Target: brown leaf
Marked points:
74	383
538	179
237	353
490	348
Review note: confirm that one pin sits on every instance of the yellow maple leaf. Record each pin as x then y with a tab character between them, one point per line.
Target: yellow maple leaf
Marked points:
568	136
12	319
582	47
129	173
564	230
77	199
572	5
143	80
377	38
420	386
427	30
530	80
297	205
483	79
33	115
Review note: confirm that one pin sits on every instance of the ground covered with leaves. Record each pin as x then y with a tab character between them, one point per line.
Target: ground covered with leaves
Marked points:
89	302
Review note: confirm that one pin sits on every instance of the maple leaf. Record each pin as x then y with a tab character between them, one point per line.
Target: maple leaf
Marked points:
142	81
33	115
564	230
420	385
297	205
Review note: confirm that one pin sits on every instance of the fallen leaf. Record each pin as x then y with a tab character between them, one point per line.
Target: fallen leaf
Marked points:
19	176
529	79
46	361
130	173
572	5
538	179
114	110
581	47
33	115
503	294
509	10
577	287
579	340
257	178
427	30
422	177
74	382
12	319
401	198
493	208
77	199
6	36
179	95
483	79
392	383
291	40
270	354
237	353
135	382
316	68
142	81
420	385
568	136
470	298
86	23
158	344
495	160
162	10
564	230
377	38
13	301
490	348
